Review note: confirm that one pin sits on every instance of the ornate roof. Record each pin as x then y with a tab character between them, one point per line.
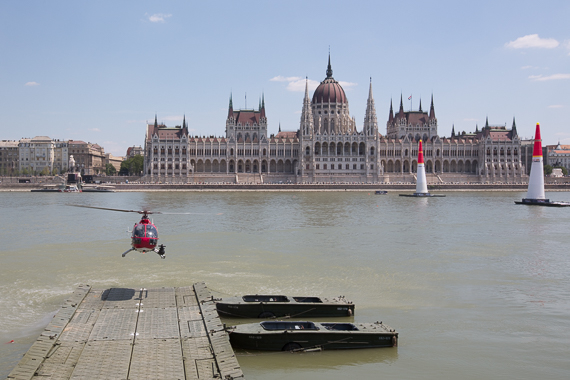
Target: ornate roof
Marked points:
329	91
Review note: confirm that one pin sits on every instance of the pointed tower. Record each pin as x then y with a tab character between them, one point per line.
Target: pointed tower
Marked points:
307	113
514	129
453	130
431	109
370	120
401	110
536	178
391	116
231	108
420	110
421	182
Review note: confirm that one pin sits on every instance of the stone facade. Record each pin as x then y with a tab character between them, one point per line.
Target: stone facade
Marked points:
9	157
89	158
328	147
42	155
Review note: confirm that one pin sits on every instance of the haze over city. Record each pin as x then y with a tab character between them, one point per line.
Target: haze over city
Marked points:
99	71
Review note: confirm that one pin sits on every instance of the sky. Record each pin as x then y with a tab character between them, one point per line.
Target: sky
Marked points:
99	71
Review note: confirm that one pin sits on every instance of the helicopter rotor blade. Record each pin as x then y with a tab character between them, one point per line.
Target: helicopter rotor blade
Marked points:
116	209
189	213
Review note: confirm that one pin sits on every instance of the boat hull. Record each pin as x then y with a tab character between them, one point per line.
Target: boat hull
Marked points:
542	202
254	337
238	308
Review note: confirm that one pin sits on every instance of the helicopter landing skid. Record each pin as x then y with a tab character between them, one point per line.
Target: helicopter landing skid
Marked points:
161	251
125	253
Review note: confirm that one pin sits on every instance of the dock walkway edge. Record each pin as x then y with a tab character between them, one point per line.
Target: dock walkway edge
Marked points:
121	333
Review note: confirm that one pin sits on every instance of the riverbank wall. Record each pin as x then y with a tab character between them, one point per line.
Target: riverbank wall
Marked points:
303	187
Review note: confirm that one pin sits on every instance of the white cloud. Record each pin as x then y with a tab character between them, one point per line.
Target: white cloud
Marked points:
32	84
94	129
532	41
347	84
540	78
280	78
556	106
297	84
529	67
159	17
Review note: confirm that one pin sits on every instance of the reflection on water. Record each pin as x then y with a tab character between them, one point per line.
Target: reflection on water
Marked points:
477	286
323	360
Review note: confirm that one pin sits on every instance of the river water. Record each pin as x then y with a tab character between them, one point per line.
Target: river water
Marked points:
477	286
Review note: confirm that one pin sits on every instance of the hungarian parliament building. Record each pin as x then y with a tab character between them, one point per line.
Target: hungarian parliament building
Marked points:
329	148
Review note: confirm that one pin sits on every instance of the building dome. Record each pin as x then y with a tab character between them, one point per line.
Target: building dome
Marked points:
329	91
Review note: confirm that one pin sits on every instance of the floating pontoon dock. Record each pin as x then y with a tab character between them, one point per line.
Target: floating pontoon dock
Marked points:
118	333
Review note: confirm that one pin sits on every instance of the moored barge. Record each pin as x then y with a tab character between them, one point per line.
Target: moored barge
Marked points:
278	306
300	336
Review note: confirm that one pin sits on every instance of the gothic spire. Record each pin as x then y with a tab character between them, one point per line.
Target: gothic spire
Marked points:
329	68
401	111
231	107
421	105
431	109
391	116
155	121
262	105
370	121
307	112
514	129
453	130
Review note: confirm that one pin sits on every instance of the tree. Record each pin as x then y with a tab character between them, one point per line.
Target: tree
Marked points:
547	170
132	166
110	169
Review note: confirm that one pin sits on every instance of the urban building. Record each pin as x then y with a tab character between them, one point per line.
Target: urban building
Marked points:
89	158
114	160
329	147
9	157
558	156
134	151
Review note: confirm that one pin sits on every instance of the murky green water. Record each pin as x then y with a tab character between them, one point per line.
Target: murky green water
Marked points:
477	286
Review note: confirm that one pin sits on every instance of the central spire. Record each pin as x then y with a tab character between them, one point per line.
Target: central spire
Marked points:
329	68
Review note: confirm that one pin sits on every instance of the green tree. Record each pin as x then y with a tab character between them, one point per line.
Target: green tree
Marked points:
547	170
110	169
132	166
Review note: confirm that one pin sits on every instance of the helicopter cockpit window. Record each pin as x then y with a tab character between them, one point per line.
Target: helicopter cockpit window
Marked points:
151	232
139	231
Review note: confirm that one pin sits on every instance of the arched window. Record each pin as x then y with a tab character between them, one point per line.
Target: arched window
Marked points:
308	150
372	151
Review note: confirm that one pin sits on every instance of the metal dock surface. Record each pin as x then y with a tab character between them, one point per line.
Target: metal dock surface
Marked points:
119	333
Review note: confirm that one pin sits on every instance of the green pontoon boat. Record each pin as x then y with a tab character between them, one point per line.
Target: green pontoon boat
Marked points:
277	306
301	336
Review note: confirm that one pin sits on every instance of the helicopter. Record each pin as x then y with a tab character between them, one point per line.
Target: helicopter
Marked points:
144	236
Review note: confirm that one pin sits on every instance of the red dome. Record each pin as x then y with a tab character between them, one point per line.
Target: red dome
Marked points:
329	91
